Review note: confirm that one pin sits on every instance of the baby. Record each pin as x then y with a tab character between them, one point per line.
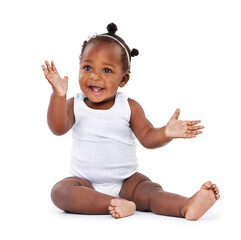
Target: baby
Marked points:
103	164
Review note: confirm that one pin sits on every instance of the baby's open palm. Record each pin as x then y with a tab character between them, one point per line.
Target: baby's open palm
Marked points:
59	85
182	129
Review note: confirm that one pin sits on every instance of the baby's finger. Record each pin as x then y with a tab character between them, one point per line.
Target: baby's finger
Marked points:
48	66
190	123
43	67
195	127
189	135
53	67
176	114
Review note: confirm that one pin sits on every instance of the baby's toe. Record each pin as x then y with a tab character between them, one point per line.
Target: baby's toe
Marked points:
113	202
215	189
112	212
217	196
110	208
117	215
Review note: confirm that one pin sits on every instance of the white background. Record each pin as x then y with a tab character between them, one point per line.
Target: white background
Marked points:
190	56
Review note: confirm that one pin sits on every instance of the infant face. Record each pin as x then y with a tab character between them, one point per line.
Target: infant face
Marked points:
101	71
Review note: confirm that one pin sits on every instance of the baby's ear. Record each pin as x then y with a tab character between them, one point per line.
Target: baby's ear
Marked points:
124	80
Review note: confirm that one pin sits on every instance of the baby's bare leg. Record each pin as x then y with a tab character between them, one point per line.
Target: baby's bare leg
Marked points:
77	195
149	196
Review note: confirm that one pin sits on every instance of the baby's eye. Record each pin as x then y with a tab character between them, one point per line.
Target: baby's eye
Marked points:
87	68
107	70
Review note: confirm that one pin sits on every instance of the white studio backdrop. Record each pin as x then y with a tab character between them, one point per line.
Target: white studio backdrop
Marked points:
189	58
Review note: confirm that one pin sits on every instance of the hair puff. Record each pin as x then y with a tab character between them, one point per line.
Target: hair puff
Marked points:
112	28
134	52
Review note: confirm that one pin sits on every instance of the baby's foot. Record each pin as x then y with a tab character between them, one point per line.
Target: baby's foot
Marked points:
204	199
120	208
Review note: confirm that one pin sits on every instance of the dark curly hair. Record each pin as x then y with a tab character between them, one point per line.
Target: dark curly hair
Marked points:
112	28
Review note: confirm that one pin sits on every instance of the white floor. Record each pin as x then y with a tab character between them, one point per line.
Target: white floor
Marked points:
47	222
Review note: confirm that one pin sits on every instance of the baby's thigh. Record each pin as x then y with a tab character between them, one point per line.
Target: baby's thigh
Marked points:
67	186
72	182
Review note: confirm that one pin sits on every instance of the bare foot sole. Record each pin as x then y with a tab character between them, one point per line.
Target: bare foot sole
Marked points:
120	208
199	204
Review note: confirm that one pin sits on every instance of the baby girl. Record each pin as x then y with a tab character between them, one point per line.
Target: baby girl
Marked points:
105	122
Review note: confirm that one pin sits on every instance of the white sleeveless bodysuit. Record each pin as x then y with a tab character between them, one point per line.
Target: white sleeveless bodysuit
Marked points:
103	150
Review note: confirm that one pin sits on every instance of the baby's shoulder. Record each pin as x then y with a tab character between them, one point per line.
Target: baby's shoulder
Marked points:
132	102
134	106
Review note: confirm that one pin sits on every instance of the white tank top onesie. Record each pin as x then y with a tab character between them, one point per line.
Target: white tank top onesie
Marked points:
104	148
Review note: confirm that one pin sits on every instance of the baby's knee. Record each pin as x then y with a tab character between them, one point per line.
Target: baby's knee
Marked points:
144	193
57	195
60	195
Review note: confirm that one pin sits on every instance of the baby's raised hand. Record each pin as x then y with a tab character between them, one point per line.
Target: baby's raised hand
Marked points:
59	85
182	129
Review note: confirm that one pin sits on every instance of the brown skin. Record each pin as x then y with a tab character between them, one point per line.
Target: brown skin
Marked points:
101	74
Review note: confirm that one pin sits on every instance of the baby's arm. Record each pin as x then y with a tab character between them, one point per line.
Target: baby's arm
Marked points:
60	114
151	137
60	111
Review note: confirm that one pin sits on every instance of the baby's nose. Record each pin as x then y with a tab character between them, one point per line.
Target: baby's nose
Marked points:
95	76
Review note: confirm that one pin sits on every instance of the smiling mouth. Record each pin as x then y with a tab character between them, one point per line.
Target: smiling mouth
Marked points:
96	90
